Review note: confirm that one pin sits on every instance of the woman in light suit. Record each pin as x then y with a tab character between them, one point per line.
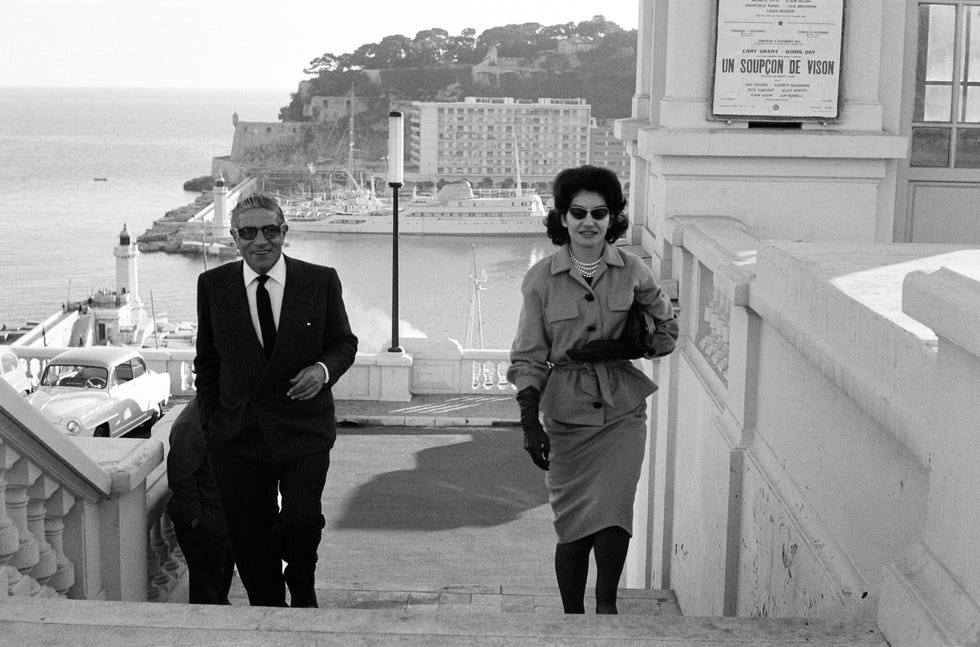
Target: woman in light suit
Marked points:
568	361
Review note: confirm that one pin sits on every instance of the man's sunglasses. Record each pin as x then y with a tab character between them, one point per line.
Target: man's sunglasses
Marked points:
580	212
269	231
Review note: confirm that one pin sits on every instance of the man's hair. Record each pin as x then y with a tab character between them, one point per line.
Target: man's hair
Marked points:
257	201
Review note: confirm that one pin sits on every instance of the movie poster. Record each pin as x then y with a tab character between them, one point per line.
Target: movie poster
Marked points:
778	59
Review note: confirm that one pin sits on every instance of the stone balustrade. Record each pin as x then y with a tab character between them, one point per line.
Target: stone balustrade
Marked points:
809	461
425	366
76	514
125	521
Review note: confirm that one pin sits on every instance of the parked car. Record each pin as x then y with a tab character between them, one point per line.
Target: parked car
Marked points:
14	372
100	391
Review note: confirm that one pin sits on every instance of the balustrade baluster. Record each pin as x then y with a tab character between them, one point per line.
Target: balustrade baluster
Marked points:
47	560
157	580
19	478
488	381
168	567
175	562
9	534
56	507
476	369
502	382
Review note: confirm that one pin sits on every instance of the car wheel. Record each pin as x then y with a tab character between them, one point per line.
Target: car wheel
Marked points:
102	431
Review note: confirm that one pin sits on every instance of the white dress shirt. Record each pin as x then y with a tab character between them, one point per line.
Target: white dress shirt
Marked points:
275	286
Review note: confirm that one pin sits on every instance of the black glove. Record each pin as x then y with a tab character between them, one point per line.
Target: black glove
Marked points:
536	442
605	349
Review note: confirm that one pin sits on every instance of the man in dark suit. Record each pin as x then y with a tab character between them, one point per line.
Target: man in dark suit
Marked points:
273	338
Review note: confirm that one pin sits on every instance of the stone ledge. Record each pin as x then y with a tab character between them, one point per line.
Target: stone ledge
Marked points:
802	144
130	624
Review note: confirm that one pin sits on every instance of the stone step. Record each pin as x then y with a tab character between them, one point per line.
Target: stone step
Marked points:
134	624
490	599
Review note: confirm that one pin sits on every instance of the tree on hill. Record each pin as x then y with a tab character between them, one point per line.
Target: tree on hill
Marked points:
437	66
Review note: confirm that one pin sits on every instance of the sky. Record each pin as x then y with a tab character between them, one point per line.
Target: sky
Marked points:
239	44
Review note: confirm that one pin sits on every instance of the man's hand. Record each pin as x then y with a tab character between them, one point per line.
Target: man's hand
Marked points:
307	383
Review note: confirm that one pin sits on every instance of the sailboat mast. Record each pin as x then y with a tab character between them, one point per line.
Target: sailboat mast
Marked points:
474	321
350	133
517	167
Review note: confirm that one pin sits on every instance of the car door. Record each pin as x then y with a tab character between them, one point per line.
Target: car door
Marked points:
125	391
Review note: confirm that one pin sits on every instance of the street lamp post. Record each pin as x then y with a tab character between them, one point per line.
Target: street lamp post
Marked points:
396	177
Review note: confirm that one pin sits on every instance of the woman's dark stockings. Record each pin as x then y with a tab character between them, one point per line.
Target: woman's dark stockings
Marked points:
572	569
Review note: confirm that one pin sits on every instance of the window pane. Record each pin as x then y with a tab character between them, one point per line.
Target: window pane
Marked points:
968	148
930	146
936	30
971	44
971	105
969	56
938	103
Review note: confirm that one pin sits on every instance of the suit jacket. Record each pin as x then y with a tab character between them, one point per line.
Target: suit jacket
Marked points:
235	379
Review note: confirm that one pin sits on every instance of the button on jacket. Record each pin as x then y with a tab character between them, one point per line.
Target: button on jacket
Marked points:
562	311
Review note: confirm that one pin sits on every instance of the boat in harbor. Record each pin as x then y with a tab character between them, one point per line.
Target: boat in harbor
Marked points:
455	210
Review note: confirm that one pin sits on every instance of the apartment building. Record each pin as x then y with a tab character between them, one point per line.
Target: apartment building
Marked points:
608	151
486	137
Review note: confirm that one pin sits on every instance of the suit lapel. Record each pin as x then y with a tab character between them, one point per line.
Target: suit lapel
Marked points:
297	302
239	319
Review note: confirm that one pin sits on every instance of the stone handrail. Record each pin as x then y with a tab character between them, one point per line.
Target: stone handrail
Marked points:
788	352
931	594
73	519
719	281
825	472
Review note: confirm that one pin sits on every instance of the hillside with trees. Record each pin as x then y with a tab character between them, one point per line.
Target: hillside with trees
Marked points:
594	59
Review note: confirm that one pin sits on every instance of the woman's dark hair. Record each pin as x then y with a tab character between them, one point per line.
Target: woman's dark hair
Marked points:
571	182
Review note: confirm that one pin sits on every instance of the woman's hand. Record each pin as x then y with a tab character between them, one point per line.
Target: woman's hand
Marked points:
602	350
536	441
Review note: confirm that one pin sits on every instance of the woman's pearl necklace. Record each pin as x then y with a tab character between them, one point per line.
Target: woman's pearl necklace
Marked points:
587	270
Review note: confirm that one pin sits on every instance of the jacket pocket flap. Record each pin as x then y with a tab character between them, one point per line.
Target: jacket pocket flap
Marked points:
620	302
561	311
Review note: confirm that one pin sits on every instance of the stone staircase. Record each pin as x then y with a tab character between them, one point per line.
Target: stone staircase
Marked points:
470	616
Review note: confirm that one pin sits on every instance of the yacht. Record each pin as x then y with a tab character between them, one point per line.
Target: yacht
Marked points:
455	210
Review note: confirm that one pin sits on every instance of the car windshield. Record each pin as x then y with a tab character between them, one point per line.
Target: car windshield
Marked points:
79	375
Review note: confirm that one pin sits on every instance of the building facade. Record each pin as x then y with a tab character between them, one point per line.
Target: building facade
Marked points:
497	138
808	450
606	150
264	137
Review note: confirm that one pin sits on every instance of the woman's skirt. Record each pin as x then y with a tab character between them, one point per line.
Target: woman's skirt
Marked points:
593	475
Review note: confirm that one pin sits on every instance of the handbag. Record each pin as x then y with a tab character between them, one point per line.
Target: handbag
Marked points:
640	332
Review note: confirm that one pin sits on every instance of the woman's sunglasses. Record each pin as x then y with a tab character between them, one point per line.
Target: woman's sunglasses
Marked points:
579	213
271	232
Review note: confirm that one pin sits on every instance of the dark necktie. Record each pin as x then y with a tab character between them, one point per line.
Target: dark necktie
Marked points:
266	322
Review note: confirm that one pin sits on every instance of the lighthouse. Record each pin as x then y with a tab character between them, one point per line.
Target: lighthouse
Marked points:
127	274
219	219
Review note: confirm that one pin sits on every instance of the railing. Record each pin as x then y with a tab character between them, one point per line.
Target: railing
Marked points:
73	512
428	366
108	496
809	421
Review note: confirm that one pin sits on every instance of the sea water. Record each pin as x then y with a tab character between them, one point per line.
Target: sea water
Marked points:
60	224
